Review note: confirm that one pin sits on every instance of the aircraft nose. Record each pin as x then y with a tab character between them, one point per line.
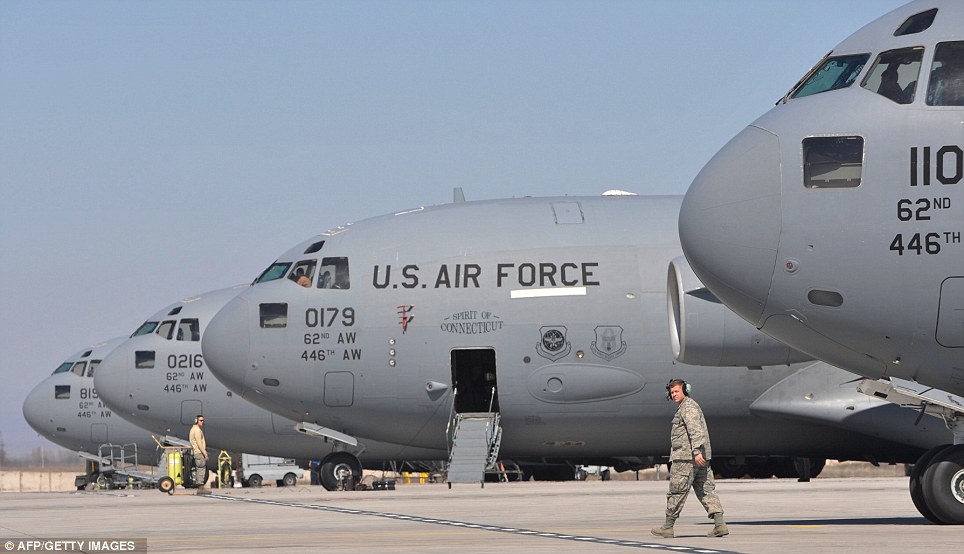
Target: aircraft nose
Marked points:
36	409
226	345
730	221
111	379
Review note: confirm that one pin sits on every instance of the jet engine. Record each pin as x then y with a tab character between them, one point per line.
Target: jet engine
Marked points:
705	332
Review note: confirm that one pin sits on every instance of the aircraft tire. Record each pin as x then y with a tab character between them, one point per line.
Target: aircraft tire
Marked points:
332	467
801	471
816	466
916	484
944	485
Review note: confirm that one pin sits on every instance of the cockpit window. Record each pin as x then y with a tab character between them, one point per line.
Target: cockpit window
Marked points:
832	162
334	274
166	329
303	272
146	328
276	270
93	366
188	330
916	23
834	73
144	359
79	369
314	247
63	368
945	87
894	74
274	315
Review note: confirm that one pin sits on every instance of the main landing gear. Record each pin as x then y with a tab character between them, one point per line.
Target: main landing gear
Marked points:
339	470
937	484
937	480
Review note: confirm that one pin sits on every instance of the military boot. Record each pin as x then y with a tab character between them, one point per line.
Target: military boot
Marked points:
719	530
664	531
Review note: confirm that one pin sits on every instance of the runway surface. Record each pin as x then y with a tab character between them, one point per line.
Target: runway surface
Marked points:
764	516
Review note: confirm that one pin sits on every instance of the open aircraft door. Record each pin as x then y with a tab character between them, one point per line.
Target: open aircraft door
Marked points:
474	380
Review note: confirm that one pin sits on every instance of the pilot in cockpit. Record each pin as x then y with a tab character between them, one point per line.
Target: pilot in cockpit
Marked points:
946	87
889	87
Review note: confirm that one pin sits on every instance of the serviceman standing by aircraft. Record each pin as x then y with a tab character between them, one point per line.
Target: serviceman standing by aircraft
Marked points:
833	223
199	451
690	455
550	325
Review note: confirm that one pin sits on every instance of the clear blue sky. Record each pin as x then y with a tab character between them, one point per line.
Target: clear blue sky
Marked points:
153	150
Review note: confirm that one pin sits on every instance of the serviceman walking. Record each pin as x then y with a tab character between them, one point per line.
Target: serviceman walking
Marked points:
690	457
200	448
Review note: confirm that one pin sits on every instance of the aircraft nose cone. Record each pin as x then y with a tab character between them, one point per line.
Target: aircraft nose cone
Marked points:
111	382
36	409
226	345
730	221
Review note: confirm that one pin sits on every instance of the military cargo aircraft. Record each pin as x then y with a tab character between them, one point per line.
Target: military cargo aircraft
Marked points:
66	409
158	380
546	317
833	222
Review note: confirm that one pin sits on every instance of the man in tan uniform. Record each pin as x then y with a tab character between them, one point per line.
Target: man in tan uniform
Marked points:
200	450
690	457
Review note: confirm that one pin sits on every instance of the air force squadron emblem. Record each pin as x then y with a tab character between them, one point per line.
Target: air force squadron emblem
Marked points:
609	342
553	344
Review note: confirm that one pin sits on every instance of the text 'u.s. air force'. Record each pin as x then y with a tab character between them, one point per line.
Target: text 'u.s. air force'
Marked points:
468	275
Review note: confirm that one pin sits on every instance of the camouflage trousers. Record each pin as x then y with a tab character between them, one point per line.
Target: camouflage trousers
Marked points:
199	470
682	476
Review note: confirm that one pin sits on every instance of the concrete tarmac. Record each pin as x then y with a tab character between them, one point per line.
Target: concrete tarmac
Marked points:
764	516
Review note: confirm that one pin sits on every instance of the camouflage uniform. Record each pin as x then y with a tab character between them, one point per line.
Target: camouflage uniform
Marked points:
688	437
199	447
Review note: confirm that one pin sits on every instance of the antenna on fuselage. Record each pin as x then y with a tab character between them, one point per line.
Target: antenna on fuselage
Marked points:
458	195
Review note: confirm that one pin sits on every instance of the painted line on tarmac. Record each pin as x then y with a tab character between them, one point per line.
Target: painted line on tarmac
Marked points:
466	525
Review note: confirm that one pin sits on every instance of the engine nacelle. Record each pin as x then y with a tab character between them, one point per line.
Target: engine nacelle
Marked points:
705	332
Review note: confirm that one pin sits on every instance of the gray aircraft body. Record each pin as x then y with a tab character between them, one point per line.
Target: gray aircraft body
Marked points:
550	312
66	409
158	380
833	222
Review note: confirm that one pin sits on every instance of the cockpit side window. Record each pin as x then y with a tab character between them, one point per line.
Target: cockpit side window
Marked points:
303	273
832	162
166	329
144	359
894	74
93	366
334	274
63	368
188	330
834	73
945	87
276	270
274	315
146	328
61	392
79	369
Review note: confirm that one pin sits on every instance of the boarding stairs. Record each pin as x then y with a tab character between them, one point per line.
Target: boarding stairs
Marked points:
475	447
